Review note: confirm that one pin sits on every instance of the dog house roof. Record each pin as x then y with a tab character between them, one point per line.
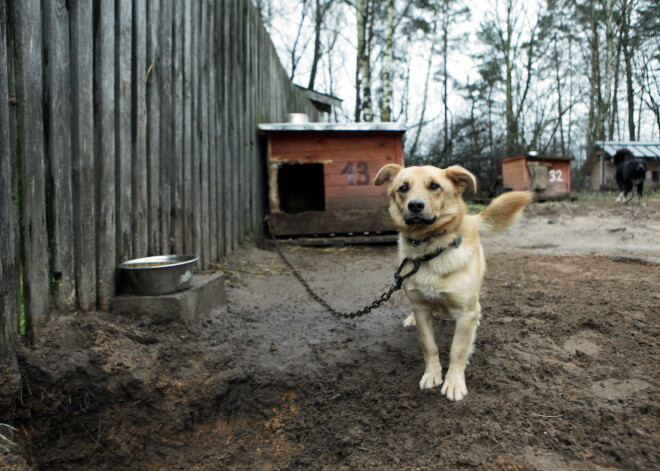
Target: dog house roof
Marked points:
644	150
332	127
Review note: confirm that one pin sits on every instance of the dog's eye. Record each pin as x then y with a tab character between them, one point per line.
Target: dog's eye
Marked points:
434	186
403	188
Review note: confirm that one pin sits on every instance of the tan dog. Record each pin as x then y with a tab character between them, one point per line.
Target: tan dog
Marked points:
428	210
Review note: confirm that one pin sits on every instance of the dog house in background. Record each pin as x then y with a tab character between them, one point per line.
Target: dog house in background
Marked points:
320	177
549	177
602	171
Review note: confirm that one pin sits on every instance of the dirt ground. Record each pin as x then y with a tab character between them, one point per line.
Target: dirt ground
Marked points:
564	376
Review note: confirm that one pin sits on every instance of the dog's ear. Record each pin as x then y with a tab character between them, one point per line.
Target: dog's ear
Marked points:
461	178
387	173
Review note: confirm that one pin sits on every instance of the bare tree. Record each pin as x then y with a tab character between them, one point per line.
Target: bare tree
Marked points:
386	108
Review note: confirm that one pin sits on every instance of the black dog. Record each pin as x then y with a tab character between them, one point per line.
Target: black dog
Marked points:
630	171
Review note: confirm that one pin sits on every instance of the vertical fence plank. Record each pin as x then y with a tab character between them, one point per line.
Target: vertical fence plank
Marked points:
58	130
139	111
177	116
213	162
255	175
82	152
250	124
124	148
9	268
244	197
228	123
230	150
166	128
202	151
188	245
196	168
153	77
236	116
220	120
166	141
104	123
29	93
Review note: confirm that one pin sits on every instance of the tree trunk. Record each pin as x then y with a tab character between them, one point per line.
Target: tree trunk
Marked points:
627	57
511	127
596	129
560	107
386	108
318	23
293	52
445	73
360	10
606	103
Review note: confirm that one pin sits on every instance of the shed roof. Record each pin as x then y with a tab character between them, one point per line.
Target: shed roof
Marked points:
538	157
323	99
644	150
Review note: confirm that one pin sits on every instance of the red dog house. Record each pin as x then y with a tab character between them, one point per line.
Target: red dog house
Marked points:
549	177
320	176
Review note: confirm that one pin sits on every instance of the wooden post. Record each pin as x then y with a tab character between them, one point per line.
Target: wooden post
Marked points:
220	123
188	94
177	119
124	148
203	150
213	156
153	78
82	151
195	139
140	183
29	92
9	268
59	216
166	128
104	123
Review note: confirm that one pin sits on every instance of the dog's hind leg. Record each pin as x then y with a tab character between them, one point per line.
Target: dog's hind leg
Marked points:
640	192
461	348
432	368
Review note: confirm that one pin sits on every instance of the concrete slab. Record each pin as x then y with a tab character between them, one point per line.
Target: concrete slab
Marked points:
205	296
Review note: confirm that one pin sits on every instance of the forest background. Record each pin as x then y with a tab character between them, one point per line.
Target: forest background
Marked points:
475	82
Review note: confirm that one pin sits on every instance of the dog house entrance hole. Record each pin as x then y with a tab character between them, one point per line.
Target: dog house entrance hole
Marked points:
301	188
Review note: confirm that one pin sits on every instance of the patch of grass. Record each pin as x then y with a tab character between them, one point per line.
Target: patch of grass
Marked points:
7	442
587	195
476	207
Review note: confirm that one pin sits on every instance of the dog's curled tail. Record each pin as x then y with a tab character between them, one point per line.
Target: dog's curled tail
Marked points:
503	212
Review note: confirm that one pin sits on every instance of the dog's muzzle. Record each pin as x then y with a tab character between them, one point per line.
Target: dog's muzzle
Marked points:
415	213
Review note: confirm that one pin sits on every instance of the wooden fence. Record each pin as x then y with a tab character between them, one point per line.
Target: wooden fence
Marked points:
127	129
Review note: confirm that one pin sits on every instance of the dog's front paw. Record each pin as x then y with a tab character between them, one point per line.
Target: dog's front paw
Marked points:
410	321
431	380
454	387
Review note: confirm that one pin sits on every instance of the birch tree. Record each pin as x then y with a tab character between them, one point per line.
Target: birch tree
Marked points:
386	108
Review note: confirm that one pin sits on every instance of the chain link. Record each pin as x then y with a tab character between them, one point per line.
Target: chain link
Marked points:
396	285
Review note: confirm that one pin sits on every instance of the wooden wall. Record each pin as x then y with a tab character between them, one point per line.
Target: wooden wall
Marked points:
127	129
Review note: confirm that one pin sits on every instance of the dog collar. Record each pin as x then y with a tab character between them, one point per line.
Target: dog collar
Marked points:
430	256
418	242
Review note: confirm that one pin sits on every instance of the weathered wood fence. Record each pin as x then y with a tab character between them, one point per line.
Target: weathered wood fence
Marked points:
127	129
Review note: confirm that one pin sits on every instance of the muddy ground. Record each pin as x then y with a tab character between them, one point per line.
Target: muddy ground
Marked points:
564	377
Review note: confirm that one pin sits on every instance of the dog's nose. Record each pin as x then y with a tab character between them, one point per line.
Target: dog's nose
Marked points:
416	205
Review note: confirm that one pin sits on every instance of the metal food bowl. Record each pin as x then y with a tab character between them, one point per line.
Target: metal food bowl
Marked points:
161	274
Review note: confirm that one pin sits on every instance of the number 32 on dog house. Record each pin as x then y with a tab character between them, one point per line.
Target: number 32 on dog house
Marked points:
549	177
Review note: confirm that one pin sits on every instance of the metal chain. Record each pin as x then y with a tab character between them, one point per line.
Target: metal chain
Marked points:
396	285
